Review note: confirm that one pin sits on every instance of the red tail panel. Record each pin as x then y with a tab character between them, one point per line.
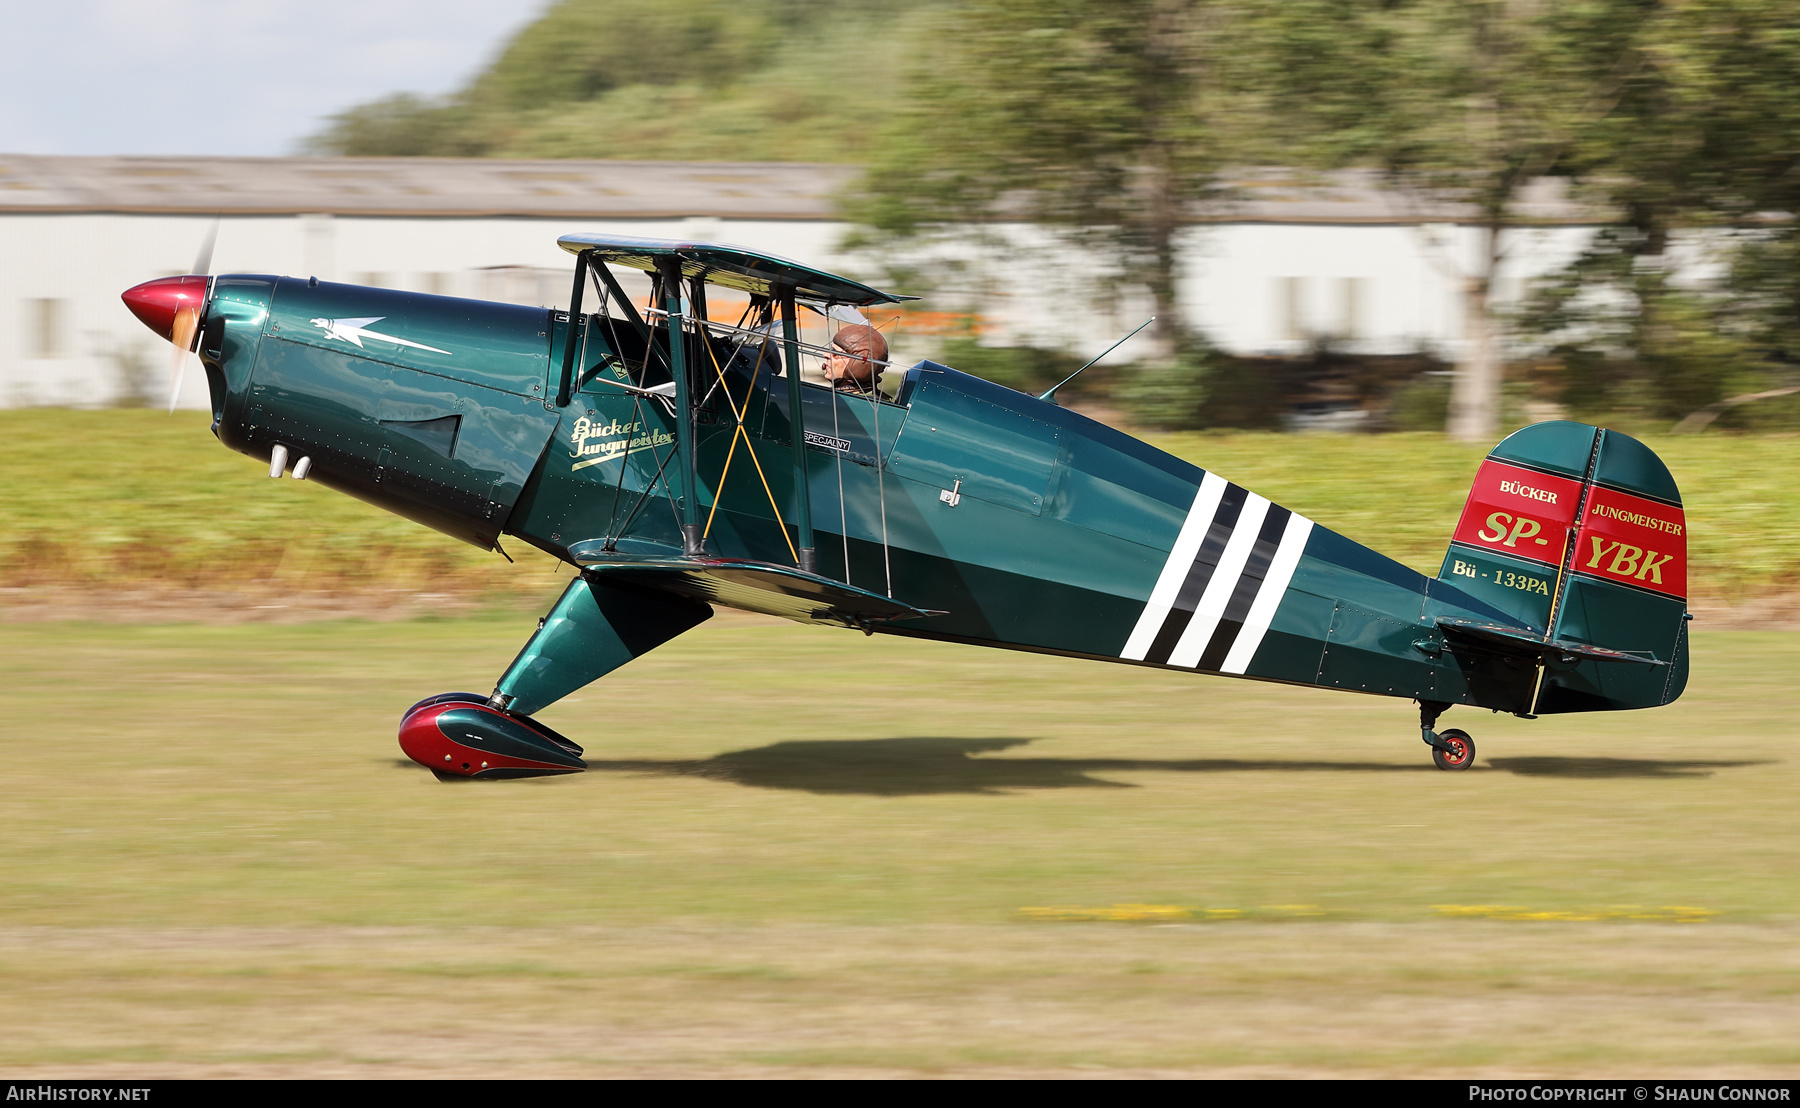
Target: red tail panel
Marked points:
1636	541
1521	512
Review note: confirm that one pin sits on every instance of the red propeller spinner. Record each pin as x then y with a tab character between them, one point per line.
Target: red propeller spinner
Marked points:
170	306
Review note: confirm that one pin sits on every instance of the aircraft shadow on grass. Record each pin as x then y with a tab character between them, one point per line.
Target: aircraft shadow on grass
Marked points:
1556	766
915	766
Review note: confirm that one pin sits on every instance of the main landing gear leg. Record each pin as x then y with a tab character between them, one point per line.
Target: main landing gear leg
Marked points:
1453	749
594	629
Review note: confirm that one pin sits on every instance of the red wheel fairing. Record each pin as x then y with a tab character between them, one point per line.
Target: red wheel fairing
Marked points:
460	739
444	698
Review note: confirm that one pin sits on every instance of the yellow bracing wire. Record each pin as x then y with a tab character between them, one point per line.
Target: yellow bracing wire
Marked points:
726	472
738	430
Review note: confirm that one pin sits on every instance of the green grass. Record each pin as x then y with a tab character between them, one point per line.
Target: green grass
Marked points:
802	850
131	496
137	496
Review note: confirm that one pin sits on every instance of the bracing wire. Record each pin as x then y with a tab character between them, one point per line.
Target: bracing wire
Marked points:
740	415
805	347
738	431
637	412
663	460
637	418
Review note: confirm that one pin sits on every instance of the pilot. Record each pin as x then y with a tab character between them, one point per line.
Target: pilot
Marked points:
855	362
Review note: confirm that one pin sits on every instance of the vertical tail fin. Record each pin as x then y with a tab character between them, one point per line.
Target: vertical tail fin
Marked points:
1579	533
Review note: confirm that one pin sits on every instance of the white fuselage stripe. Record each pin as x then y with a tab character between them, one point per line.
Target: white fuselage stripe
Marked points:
1222	584
1175	569
1268	597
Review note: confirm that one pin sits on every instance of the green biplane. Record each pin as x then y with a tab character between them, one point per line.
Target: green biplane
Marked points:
682	462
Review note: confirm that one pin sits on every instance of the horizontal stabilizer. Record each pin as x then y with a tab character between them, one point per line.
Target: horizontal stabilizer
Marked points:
754	586
1512	640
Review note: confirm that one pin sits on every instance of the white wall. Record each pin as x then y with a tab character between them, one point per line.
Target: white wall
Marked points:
1254	287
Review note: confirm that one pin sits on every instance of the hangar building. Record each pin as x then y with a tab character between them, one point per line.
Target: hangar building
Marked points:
1283	262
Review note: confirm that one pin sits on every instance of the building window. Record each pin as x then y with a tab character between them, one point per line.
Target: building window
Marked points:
1352	303
1290	295
46	323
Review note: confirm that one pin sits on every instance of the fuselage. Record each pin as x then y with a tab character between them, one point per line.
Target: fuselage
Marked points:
1027	525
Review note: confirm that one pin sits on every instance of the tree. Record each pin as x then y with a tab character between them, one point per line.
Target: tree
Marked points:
1103	122
1699	162
1459	101
1675	120
1112	122
704	80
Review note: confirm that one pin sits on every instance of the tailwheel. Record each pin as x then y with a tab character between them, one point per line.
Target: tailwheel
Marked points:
1457	751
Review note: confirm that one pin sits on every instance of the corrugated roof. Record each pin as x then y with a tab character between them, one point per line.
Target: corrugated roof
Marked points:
592	189
419	187
1361	196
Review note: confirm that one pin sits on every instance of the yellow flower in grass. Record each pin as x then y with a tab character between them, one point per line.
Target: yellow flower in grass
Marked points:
1670	914
1118	913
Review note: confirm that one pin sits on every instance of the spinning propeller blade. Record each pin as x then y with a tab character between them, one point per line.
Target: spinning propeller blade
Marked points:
182	336
203	260
186	323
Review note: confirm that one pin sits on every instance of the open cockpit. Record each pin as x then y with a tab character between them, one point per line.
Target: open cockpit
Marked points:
713	398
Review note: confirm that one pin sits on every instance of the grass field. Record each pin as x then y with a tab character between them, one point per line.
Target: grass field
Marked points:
140	497
804	851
